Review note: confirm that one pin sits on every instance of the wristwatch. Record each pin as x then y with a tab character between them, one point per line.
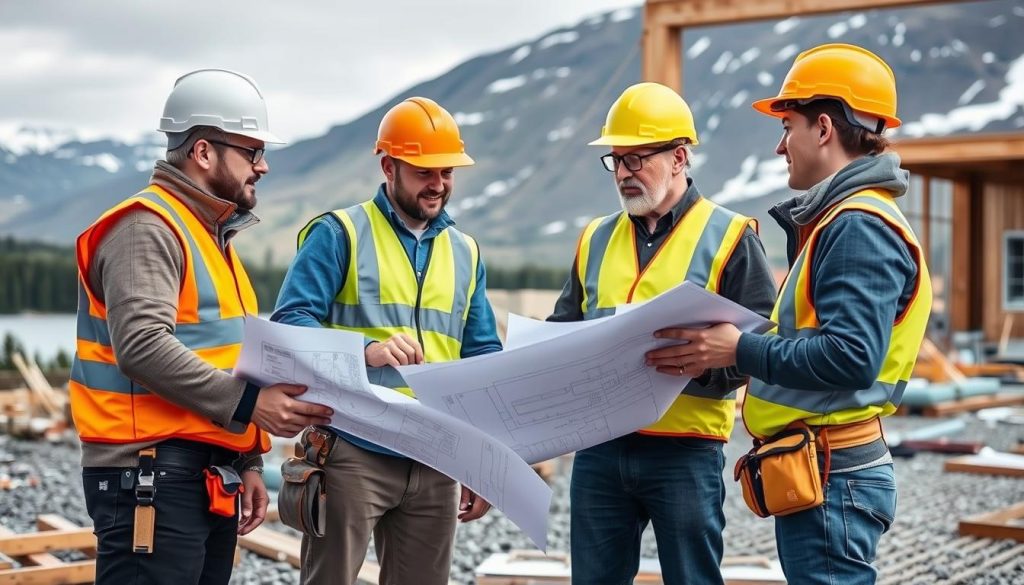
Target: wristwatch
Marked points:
257	468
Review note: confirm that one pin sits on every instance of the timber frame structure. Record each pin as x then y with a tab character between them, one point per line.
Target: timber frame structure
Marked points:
980	176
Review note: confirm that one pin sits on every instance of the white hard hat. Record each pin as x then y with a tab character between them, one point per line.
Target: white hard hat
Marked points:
220	98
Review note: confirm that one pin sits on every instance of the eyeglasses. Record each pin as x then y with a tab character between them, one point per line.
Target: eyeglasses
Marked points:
633	162
255	154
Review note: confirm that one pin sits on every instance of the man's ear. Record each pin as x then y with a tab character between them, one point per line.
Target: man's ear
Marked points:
202	153
825	128
679	159
388	166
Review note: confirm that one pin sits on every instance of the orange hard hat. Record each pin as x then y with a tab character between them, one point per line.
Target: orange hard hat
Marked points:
422	133
848	73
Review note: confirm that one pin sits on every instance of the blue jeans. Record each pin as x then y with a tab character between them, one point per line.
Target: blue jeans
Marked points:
835	543
619	486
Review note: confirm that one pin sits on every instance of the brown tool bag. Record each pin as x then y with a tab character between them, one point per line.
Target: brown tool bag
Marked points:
780	475
302	501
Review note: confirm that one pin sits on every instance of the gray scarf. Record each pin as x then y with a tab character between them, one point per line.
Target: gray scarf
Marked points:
874	171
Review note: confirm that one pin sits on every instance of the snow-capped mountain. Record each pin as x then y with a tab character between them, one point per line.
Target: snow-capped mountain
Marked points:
527	113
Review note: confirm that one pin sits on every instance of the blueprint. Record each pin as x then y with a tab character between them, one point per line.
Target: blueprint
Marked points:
563	387
330	363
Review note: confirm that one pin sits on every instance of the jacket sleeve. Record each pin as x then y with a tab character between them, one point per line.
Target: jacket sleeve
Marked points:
569	306
480	334
137	270
746	280
315	275
863	275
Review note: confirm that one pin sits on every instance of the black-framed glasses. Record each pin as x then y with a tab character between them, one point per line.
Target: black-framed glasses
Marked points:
634	162
255	154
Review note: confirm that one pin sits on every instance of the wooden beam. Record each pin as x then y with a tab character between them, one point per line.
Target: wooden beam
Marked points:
689	13
961	294
1005	523
662	51
999	464
974	403
26	544
64	573
961	150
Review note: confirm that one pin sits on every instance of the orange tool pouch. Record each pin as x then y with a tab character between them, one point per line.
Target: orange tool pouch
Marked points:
223	484
780	475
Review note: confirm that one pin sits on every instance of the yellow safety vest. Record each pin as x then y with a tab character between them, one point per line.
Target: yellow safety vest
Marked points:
215	297
382	295
697	250
769	408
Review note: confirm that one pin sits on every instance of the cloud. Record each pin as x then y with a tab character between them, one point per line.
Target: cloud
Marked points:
105	66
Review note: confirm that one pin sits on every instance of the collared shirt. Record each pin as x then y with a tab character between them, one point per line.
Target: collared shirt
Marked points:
746	280
318	272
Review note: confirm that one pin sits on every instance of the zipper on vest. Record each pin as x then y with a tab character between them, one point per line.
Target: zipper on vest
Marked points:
419	292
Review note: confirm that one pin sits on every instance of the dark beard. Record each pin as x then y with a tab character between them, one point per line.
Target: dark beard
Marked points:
407	202
226	187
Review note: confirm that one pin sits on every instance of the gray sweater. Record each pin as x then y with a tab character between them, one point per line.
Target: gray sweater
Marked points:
136	272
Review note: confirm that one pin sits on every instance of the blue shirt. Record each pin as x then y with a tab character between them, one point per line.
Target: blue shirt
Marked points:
317	274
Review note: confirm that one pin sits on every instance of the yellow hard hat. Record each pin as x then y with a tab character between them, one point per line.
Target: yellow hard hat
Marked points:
422	133
647	113
851	74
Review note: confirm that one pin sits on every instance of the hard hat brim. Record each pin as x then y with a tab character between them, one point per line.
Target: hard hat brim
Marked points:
438	161
627	140
765	107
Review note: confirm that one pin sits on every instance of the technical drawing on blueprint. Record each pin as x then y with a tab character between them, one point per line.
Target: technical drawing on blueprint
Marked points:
566	407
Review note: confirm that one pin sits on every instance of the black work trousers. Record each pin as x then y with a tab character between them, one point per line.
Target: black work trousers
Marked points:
190	546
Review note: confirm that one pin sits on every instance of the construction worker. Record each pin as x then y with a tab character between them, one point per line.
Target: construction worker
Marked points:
169	437
396	270
670	473
851	314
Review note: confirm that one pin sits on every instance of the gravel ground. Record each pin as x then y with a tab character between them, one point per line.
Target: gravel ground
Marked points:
922	548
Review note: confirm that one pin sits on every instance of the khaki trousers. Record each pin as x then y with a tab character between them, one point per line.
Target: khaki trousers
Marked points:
410	509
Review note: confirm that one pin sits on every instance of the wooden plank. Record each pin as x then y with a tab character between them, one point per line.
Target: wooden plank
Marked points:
662	50
65	573
25	544
57	522
1005	523
688	13
273	545
998	464
961	150
973	403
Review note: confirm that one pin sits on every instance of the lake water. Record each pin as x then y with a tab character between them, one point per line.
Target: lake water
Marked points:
41	334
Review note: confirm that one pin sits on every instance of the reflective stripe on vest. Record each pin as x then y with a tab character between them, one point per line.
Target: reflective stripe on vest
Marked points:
215	297
768	408
697	249
382	295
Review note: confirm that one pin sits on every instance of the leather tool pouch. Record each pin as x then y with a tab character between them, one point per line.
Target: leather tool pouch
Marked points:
302	501
223	484
780	475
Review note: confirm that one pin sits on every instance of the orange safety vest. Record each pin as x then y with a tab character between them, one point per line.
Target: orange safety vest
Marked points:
215	297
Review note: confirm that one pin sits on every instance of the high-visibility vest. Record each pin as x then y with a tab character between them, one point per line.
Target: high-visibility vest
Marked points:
697	250
215	297
769	408
382	294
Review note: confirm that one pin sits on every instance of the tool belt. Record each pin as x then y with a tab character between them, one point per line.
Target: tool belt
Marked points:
780	475
302	501
223	482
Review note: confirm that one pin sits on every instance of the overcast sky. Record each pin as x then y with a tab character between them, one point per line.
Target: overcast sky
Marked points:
104	67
